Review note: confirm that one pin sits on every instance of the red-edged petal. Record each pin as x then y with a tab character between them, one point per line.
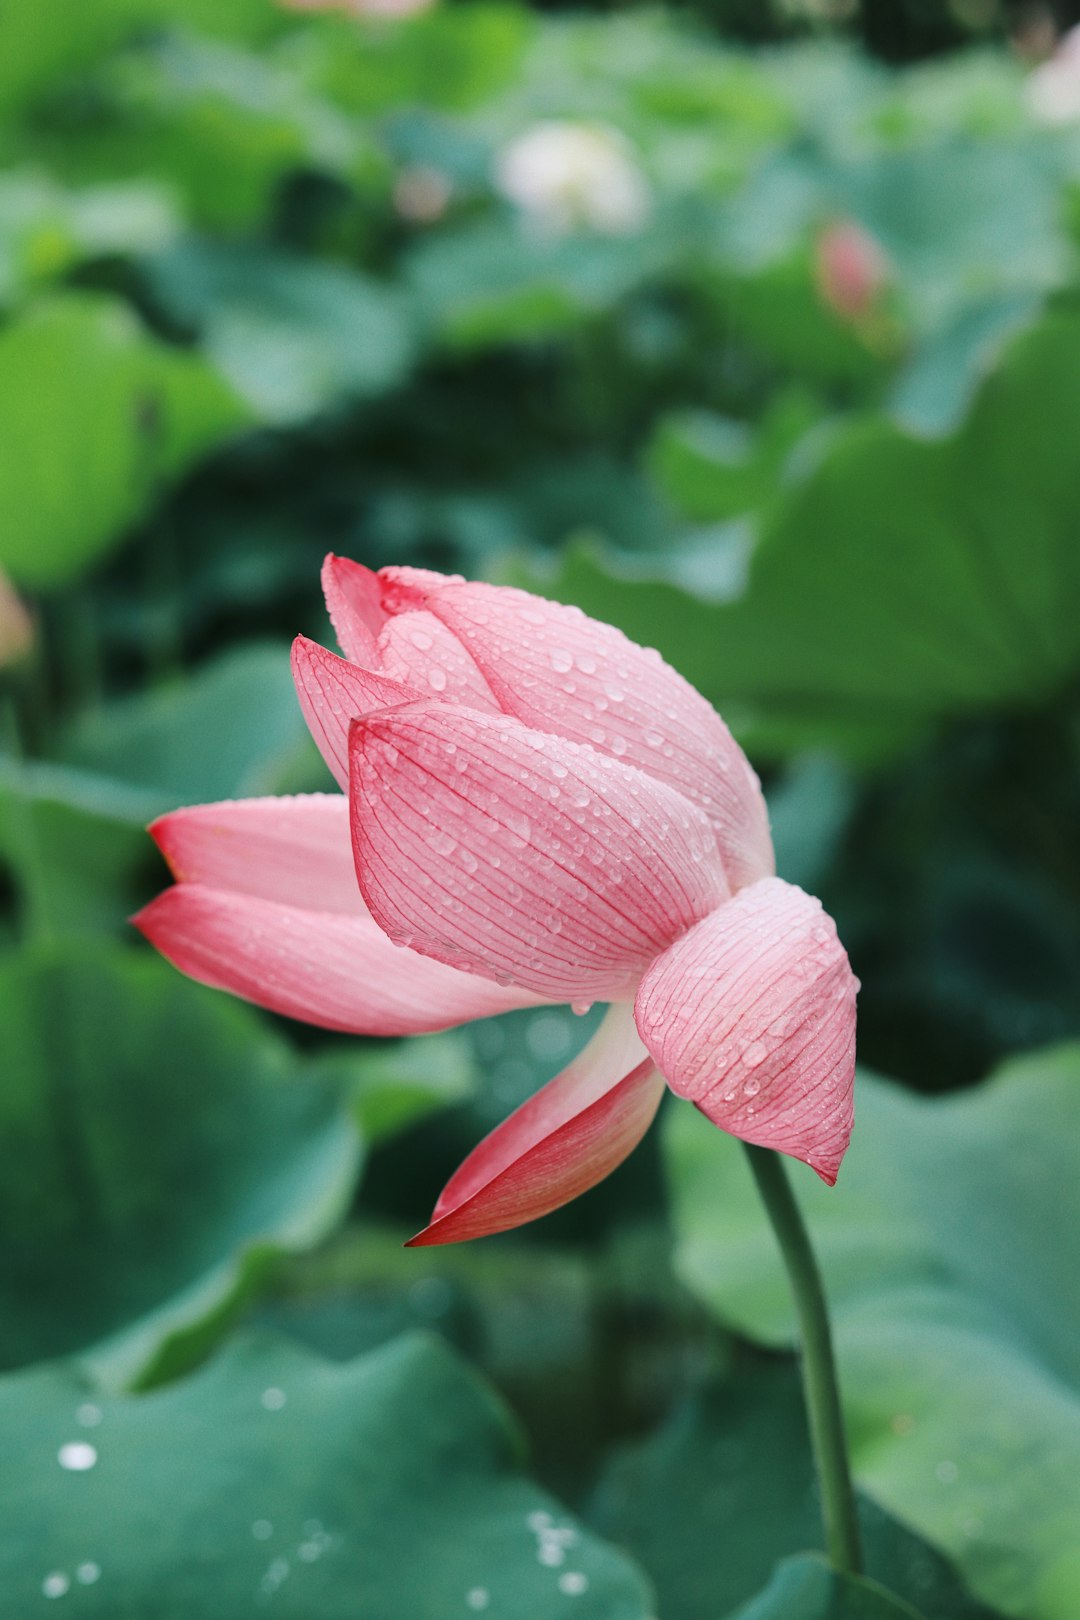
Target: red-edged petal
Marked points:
519	855
419	649
354	602
338	972
333	693
296	850
557	670
752	1017
565	1139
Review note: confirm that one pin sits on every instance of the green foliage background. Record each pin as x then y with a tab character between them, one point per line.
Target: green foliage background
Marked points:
231	339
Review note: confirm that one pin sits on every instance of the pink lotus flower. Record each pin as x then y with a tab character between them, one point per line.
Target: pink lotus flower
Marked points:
538	811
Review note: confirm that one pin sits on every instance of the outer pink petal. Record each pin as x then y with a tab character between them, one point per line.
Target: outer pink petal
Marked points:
338	972
518	855
296	850
354	602
418	648
557	670
565	1139
752	1017
333	693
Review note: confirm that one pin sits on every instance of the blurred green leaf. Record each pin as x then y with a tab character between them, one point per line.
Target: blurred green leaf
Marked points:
292	335
231	729
74	832
95	416
440	58
160	1148
948	1252
275	1476
898	581
495	282
714	468
726	1488
222	127
398	1084
807	1589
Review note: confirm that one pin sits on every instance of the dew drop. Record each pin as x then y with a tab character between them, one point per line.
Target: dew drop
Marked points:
573	1583
56	1584
754	1055
88	1573
561	661
580	1007
77	1456
437	679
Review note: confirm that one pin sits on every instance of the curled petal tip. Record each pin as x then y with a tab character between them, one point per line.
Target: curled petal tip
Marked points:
558	1144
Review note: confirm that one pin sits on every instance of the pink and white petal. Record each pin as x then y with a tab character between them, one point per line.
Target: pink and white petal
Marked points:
752	1017
333	693
419	649
297	850
323	968
557	670
354	602
521	856
569	1136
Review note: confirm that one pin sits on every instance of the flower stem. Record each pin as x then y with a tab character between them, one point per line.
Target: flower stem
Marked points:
818	1363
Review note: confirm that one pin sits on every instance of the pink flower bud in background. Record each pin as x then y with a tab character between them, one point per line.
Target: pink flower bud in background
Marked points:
16	629
536	810
374	9
850	269
422	194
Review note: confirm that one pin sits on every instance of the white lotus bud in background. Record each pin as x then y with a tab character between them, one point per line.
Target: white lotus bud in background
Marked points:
1053	88
565	176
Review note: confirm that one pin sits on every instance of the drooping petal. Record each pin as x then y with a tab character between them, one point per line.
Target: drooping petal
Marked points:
557	670
564	1140
518	855
333	693
419	649
296	850
354	602
752	1017
339	972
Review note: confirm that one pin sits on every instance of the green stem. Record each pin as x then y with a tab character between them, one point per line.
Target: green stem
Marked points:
818	1363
